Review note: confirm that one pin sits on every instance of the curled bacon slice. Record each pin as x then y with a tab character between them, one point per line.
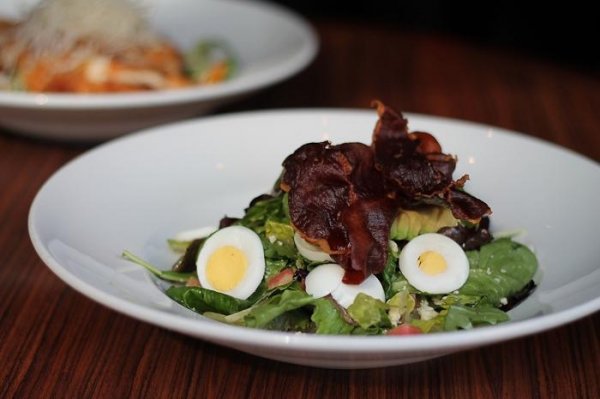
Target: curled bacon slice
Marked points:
413	164
416	170
317	177
368	223
337	201
344	197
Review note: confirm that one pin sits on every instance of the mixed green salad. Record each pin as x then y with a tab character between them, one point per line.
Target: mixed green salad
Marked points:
500	275
440	269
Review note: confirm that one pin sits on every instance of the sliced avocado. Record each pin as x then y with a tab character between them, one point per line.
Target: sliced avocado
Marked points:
412	222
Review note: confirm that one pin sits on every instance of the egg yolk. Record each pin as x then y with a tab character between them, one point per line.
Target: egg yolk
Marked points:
226	267
432	263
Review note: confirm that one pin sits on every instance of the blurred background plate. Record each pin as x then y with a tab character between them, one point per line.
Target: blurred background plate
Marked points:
270	43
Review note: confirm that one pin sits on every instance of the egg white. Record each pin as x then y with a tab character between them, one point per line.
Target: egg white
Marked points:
457	264
322	280
245	240
310	251
327	279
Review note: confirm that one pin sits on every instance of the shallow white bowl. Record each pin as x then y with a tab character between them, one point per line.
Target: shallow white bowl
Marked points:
271	44
137	191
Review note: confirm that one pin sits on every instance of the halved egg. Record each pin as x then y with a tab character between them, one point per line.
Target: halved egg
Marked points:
310	251
327	279
434	263
232	262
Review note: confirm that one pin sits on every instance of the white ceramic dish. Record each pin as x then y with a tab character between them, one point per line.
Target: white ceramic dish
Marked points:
137	191
270	42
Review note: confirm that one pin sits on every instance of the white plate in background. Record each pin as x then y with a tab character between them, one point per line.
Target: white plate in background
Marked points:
271	44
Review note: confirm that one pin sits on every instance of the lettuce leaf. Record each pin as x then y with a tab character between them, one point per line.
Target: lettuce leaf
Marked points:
391	279
498	270
202	300
278	241
458	317
292	309
263	209
269	218
369	312
262	314
274	266
462	317
328	319
400	306
295	320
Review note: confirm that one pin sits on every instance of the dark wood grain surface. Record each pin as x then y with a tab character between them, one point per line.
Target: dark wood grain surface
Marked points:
56	343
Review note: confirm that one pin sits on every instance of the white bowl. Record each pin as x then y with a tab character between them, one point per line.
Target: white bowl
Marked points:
271	44
137	191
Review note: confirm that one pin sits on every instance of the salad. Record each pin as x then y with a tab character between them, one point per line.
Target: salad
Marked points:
103	46
355	239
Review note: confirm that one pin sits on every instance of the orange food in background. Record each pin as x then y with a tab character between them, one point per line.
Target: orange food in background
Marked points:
159	67
104	47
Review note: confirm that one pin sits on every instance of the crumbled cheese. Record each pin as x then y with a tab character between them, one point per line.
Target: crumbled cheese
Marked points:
394	247
503	301
425	311
394	315
272	238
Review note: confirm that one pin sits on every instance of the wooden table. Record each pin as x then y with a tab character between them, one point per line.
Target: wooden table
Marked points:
56	343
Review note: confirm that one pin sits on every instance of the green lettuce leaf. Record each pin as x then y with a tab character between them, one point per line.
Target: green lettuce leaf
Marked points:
391	279
279	240
400	306
456	299
202	300
262	314
432	325
328	319
296	320
498	270
269	208
462	317
458	317
269	218
274	266
369	312
280	231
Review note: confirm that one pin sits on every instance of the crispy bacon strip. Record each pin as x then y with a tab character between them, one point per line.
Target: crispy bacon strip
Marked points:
413	164
317	176
416	170
344	198
337	201
368	224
